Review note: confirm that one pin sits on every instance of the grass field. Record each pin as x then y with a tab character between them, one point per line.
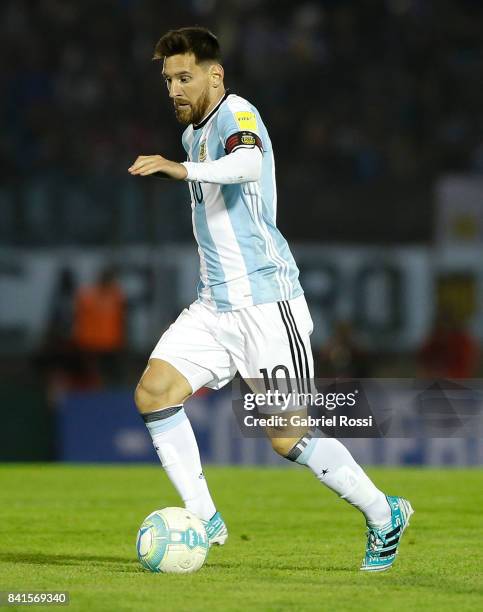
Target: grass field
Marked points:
293	544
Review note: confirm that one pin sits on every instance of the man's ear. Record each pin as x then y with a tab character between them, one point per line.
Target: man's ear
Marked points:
216	75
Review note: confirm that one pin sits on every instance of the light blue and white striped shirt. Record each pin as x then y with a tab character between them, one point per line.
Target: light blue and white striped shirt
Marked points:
244	259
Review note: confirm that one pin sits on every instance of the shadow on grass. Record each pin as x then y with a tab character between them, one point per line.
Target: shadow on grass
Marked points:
218	561
291	569
130	565
123	564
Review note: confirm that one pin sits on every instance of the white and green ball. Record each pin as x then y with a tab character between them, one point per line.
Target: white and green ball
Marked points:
172	540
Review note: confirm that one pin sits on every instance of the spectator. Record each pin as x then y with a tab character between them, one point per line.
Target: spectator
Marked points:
343	356
450	351
59	360
99	324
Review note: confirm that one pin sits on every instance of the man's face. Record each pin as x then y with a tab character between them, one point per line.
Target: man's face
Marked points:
189	87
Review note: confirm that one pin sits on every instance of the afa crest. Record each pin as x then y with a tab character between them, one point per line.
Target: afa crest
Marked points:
202	153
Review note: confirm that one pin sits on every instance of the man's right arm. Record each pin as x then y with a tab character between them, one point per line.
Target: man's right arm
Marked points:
244	165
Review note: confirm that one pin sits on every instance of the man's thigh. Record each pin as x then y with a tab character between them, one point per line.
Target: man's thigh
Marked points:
191	347
276	344
277	356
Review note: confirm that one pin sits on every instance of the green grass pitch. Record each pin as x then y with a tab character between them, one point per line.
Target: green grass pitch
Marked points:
293	544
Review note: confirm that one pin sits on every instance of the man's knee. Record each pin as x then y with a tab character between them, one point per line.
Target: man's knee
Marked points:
284	439
283	446
160	386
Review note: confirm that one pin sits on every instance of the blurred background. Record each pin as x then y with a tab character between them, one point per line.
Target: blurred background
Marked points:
375	110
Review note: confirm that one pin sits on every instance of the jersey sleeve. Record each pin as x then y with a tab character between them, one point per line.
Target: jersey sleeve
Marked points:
238	127
241	166
184	141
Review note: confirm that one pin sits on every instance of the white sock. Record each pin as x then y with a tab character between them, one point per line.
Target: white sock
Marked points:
335	467
177	449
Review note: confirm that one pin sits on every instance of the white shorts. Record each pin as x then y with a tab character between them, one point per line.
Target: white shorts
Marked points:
269	340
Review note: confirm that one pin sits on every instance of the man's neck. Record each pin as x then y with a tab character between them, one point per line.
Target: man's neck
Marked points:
213	104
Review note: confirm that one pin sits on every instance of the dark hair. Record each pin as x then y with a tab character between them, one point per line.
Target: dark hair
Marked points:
199	41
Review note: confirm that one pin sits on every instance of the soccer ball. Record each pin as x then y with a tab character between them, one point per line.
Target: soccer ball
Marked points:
172	541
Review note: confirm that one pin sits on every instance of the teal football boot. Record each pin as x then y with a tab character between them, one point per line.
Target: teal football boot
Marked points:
216	530
383	543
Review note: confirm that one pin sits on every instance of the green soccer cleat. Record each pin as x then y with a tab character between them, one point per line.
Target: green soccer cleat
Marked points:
216	530
383	543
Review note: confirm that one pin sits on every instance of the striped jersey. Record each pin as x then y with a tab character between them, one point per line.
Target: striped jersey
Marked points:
244	259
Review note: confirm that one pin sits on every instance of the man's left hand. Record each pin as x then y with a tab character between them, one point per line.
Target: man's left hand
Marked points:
150	164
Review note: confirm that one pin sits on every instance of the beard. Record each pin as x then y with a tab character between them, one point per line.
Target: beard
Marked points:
192	113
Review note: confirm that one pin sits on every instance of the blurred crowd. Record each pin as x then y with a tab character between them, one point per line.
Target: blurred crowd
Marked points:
383	95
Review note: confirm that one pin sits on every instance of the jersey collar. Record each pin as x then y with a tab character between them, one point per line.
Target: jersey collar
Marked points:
212	112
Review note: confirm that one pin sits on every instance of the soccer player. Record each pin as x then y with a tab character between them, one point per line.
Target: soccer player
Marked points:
250	315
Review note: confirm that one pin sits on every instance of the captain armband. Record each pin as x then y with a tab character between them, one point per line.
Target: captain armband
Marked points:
245	140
